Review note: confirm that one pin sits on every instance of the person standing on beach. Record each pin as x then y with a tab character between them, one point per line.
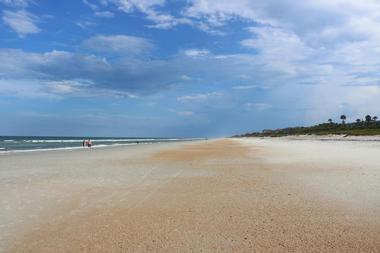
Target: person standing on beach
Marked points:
84	143
89	143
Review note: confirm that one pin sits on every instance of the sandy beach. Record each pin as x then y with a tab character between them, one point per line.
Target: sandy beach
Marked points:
223	195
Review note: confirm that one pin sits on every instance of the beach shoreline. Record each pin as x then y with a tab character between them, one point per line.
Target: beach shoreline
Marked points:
221	195
17	144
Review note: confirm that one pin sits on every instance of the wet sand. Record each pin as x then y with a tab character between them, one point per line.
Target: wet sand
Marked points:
226	195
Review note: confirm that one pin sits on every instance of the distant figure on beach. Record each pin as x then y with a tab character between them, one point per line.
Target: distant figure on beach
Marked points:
84	143
89	143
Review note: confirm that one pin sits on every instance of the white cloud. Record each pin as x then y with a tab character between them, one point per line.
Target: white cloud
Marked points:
185	78
199	97
332	101
196	52
285	13
104	14
121	44
314	58
244	87
309	50
318	24
318	20
84	24
160	19
297	49
29	88
16	3
165	21
21	21
126	73
64	87
279	49
61	87
216	13
92	6
141	5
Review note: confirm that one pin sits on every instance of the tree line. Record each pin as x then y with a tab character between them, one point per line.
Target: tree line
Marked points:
367	119
367	126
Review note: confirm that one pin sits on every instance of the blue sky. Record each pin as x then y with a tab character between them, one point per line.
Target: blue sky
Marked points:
185	68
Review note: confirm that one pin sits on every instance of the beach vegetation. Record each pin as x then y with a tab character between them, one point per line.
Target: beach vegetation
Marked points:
370	126
343	118
368	119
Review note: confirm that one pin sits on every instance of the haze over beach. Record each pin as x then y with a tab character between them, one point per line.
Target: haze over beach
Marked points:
117	119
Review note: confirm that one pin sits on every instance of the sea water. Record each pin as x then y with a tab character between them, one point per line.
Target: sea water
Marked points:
31	143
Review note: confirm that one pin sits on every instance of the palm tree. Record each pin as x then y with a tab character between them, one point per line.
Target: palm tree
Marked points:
375	118
358	120
343	118
368	118
330	121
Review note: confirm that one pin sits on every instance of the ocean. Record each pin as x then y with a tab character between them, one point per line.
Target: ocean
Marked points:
31	143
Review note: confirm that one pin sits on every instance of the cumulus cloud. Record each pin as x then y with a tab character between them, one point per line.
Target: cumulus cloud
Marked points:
279	49
308	47
126	76
291	49
120	44
299	17
21	21
318	20
308	60
297	61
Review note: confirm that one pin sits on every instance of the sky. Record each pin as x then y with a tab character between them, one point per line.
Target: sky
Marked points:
185	68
